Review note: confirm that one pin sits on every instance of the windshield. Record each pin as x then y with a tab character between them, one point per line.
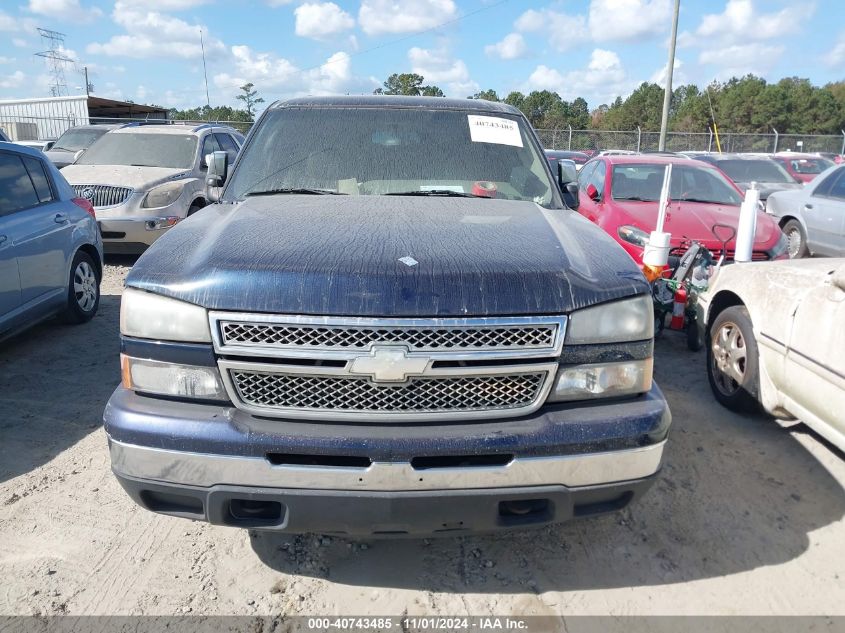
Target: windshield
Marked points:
392	151
810	165
763	170
142	149
80	138
689	183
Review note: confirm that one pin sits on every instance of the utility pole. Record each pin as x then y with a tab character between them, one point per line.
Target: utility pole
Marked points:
205	72
87	85
667	90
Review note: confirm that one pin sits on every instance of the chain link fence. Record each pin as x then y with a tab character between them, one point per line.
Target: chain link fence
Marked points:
642	141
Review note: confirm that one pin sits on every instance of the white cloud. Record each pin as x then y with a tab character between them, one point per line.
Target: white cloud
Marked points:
154	34
678	78
438	67
404	16
601	81
7	60
739	22
12	24
836	56
320	20
19	42
511	47
740	59
277	75
69	10
15	80
621	20
166	5
563	31
278	3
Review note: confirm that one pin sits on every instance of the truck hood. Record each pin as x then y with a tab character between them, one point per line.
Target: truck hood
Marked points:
388	256
693	221
60	157
137	178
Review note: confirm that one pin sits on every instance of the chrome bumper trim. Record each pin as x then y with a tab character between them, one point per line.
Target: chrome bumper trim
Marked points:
205	470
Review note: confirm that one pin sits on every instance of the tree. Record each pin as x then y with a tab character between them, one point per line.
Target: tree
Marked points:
487	95
409	84
250	98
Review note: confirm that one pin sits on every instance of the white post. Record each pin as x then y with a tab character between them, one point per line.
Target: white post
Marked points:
747	225
656	253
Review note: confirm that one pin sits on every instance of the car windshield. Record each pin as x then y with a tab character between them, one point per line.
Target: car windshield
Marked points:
810	165
643	182
76	139
143	149
392	151
762	170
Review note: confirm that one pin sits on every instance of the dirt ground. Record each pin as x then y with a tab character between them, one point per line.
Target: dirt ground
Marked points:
746	518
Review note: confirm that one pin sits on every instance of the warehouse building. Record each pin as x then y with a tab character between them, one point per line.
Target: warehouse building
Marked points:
47	118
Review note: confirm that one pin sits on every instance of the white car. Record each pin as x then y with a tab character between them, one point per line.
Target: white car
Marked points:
775	337
813	217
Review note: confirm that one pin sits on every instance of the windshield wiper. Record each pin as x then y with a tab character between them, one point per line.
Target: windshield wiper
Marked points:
635	198
295	190
434	192
698	200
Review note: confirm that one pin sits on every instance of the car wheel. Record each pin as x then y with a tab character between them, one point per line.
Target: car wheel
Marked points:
83	290
733	360
796	239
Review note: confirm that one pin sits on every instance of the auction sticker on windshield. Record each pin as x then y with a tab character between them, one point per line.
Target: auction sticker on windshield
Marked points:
491	129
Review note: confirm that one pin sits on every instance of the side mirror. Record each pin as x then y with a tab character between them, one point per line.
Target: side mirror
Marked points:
78	154
218	166
571	196
593	193
839	277
567	180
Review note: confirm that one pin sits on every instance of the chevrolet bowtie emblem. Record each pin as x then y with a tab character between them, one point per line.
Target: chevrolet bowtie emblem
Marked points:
389	364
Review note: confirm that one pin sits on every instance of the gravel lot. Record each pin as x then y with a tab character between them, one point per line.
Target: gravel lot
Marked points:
746	518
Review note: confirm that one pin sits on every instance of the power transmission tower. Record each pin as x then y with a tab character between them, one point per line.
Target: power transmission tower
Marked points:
56	59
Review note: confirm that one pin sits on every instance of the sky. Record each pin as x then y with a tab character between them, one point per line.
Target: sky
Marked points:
149	50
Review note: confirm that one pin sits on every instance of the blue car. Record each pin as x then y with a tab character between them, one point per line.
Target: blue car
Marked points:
51	252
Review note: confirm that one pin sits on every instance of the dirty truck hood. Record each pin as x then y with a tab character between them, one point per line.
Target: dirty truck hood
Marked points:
138	178
339	255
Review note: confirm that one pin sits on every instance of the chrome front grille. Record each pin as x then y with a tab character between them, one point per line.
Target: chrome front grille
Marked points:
103	195
360	395
386	370
424	339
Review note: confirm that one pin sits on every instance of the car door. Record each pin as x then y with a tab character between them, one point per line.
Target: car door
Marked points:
41	234
815	359
824	215
592	174
16	193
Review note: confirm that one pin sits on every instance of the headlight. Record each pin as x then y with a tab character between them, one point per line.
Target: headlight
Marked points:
584	382
616	322
781	249
152	316
163	195
168	379
633	235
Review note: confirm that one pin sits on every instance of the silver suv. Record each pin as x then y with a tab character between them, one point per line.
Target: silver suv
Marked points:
144	179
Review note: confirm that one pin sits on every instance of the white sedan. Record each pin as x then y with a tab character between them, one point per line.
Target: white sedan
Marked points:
775	336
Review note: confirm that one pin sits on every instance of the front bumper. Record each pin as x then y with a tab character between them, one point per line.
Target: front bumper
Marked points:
216	463
130	235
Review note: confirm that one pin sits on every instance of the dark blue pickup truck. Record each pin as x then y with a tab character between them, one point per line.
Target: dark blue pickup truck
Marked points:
389	324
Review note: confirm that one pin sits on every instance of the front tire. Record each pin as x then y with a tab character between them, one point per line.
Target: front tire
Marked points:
733	361
83	295
797	239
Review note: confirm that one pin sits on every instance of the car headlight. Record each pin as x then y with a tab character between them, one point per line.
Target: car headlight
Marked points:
615	322
169	379
163	195
781	249
583	382
151	316
633	235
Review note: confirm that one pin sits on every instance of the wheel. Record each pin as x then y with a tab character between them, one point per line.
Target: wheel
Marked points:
733	361
797	239
83	290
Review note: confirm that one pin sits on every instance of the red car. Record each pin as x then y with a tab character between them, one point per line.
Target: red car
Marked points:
622	195
802	167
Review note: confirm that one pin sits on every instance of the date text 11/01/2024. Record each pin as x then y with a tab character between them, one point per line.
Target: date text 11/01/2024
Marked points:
419	623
